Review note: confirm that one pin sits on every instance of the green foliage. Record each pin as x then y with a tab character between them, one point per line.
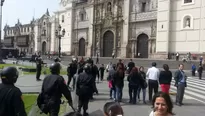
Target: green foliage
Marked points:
29	101
31	107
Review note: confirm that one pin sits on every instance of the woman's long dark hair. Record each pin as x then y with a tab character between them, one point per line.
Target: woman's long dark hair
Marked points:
167	100
166	67
120	71
134	70
113	109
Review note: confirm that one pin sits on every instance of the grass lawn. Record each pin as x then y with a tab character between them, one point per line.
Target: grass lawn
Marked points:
63	71
30	100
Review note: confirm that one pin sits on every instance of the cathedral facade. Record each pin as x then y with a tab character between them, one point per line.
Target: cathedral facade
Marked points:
125	28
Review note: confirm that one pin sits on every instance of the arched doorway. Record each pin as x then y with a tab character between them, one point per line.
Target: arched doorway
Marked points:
108	43
44	47
142	46
81	47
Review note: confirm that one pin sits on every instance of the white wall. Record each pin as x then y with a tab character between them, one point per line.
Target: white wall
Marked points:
183	40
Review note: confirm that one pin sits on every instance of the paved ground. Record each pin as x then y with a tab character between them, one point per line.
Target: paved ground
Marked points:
194	98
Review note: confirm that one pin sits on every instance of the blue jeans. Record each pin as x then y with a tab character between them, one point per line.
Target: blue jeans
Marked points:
118	95
112	93
143	92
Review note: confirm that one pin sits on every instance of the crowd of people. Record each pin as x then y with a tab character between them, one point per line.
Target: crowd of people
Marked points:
84	75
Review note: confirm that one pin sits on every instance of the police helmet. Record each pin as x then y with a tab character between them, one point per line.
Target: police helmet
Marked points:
87	68
57	59
55	68
9	75
74	59
89	60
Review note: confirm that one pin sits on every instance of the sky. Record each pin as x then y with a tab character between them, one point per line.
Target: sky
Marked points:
25	10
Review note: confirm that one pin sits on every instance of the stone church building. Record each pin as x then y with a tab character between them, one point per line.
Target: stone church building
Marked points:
126	28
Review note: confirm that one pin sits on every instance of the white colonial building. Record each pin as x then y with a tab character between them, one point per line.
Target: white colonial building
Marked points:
64	18
181	26
42	34
127	28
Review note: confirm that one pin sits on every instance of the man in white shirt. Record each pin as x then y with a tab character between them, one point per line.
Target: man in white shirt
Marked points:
153	76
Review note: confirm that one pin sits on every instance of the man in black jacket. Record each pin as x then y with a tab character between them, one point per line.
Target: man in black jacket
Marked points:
11	103
71	70
39	64
94	73
84	88
52	89
130	65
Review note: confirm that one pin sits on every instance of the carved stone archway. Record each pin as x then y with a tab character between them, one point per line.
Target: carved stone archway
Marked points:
142	46
82	50
108	44
43	47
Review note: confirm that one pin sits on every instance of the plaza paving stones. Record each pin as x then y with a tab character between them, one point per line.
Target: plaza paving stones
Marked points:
194	104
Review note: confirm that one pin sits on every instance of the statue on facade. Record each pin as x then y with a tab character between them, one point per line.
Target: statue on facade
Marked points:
109	7
187	23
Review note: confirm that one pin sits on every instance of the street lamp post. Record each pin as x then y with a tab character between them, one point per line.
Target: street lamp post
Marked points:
1	5
59	35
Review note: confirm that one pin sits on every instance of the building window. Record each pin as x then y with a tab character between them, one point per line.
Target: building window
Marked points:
44	23
187	22
44	32
143	7
82	14
62	18
28	29
187	2
25	29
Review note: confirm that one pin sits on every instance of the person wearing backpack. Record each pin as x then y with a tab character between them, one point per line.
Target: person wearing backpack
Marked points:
85	88
11	103
53	87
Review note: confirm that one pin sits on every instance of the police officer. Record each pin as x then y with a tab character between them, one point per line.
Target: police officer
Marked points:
57	60
94	73
11	103
52	89
84	88
71	71
39	63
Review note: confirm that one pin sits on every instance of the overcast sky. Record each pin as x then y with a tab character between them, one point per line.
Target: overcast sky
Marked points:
24	10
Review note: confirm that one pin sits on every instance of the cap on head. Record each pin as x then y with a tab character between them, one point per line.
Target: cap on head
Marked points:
9	75
55	68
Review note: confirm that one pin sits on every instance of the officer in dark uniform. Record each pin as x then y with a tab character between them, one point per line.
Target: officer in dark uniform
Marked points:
71	71
11	103
57	60
84	88
52	89
39	63
94	73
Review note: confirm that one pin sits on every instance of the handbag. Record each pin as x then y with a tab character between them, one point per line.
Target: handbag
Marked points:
144	86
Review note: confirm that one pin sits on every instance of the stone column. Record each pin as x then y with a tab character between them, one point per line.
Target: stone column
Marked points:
90	32
133	48
125	28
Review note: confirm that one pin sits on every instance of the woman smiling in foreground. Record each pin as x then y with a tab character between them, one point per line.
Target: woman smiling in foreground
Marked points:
162	105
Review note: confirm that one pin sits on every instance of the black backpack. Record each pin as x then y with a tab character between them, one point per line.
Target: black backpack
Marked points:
41	103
